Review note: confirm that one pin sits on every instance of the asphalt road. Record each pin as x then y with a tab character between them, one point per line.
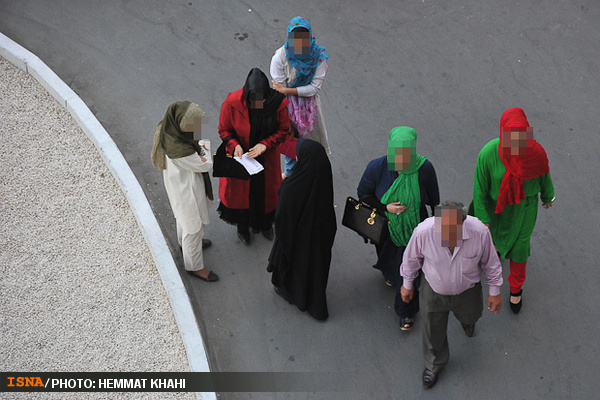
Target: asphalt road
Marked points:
449	69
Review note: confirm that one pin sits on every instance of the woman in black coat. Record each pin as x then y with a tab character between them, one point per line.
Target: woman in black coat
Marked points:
305	227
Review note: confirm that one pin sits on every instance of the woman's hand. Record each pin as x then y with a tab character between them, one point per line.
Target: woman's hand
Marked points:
257	150
395	208
279	87
548	205
238	151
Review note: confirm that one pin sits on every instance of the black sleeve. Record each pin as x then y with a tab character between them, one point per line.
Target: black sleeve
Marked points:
368	182
366	188
431	186
372	201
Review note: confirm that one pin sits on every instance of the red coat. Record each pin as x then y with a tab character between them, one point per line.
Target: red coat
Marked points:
235	122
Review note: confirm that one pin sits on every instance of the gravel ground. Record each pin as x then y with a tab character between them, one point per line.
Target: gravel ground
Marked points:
79	290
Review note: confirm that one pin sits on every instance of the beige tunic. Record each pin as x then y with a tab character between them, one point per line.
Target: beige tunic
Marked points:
185	189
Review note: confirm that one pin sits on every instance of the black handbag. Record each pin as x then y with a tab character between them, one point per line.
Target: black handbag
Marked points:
224	166
364	220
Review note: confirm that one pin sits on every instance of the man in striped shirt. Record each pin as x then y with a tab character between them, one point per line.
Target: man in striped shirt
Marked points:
453	249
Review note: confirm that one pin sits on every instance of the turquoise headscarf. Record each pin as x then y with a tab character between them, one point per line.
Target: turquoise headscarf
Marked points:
405	188
305	64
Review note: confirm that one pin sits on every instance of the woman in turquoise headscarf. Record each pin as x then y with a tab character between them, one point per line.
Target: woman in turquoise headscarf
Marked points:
401	183
298	70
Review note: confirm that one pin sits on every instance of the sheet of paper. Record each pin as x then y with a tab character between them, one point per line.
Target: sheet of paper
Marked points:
252	166
205	147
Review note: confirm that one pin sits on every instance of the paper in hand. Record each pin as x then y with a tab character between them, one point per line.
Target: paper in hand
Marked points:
252	166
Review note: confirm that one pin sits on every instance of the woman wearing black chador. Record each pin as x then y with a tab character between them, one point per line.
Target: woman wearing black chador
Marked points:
305	227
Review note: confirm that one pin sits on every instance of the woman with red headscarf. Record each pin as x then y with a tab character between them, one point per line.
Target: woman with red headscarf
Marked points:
512	171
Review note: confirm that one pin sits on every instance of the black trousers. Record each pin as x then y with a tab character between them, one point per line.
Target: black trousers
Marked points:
408	310
389	258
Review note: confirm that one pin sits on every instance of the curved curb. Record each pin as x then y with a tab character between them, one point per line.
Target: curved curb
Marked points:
114	160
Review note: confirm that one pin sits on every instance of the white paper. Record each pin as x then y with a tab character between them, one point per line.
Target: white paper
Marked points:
252	166
205	147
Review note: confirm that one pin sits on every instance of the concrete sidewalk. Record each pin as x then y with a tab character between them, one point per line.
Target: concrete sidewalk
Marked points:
80	290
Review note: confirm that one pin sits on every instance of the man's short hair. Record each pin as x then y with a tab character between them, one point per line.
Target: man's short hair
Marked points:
448	204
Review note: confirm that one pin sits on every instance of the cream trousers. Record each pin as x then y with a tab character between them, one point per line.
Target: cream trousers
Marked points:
191	244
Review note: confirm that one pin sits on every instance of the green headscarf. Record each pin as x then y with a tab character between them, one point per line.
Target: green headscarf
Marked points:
174	139
405	188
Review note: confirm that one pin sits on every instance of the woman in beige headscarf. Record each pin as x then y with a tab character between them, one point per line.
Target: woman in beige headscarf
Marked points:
185	161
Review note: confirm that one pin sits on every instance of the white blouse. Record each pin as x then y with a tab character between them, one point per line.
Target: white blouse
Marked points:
283	72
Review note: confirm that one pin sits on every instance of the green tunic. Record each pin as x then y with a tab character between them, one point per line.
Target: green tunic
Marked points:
511	230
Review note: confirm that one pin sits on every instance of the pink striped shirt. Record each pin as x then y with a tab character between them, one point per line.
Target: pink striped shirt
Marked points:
447	273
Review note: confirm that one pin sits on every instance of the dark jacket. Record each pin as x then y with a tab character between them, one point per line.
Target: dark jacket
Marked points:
377	180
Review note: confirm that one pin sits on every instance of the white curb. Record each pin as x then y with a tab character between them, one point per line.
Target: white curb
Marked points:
87	121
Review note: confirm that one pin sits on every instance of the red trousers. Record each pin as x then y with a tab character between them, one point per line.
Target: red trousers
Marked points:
517	276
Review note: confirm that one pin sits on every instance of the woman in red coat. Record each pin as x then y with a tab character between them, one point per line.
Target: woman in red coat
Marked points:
255	120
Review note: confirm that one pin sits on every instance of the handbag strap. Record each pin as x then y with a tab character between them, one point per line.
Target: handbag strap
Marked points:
221	150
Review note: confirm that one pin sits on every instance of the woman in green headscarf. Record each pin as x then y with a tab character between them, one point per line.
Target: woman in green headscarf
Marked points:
185	161
400	184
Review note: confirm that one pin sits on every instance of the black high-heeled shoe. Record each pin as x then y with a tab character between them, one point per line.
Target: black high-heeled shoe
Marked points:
244	235
268	233
516	307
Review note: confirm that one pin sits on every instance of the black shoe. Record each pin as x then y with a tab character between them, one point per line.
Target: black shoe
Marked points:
212	277
268	233
406	324
255	230
282	294
429	378
516	307
469	329
244	237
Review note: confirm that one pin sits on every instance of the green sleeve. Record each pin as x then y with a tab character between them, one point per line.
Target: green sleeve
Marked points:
481	189
547	192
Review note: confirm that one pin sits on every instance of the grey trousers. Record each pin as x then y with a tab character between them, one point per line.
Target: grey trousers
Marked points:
467	308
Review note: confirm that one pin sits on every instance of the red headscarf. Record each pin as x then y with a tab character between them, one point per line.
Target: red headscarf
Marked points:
518	168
